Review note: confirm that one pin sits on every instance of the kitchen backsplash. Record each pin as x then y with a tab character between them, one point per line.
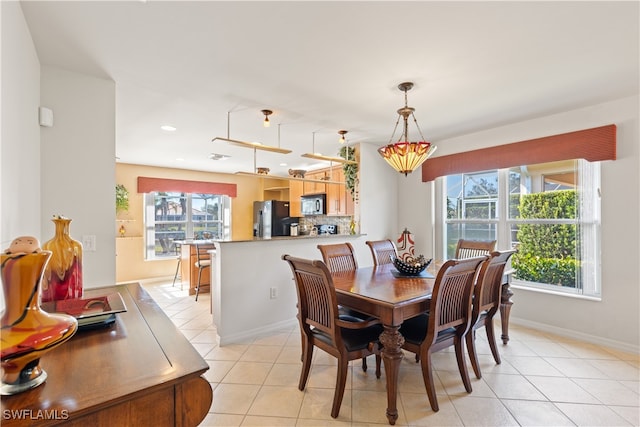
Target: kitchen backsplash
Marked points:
342	222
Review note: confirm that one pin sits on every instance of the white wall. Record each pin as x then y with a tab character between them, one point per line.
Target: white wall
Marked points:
78	165
615	319
20	132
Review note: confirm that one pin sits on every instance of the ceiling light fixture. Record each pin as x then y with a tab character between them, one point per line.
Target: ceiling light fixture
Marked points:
266	123
253	145
168	128
216	156
318	156
405	156
342	133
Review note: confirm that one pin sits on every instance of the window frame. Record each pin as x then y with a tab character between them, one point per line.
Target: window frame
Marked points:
587	222
150	222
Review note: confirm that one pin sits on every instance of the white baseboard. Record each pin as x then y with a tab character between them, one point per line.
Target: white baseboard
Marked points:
568	333
257	332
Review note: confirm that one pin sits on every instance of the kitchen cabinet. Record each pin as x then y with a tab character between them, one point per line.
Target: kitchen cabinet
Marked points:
339	201
295	192
315	187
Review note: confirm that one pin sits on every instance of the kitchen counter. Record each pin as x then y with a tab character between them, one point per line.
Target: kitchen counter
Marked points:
251	287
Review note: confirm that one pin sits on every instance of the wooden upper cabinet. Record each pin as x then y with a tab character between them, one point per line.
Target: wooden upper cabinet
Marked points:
295	192
339	200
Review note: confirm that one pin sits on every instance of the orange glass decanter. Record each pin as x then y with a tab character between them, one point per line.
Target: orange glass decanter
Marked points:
27	331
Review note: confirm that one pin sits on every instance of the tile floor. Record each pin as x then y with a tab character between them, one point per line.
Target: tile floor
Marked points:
544	380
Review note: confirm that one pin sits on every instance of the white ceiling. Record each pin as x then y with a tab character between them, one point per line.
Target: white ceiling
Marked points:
326	66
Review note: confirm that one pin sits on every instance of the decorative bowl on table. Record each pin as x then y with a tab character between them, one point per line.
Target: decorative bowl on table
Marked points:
411	266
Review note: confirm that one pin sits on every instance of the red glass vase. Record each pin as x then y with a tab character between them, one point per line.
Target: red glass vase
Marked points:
63	275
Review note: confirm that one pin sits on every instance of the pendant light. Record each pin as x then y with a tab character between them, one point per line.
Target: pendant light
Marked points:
252	145
405	156
318	156
266	123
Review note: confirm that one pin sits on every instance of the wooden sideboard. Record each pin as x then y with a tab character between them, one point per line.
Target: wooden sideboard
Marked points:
188	269
139	371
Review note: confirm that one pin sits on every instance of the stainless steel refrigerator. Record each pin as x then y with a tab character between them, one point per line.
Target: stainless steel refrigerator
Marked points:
271	218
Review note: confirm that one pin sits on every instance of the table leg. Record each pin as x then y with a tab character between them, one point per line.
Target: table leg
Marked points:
505	311
392	342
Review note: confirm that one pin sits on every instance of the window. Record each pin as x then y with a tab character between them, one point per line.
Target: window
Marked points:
549	212
171	216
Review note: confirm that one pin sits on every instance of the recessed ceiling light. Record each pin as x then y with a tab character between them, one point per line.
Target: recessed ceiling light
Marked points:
180	159
168	128
283	164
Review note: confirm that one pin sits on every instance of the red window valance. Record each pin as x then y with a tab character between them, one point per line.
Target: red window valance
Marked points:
590	144
148	185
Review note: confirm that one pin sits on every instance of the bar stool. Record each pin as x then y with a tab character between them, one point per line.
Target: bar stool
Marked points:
178	249
201	263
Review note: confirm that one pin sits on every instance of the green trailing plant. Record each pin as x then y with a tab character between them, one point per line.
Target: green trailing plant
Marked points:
122	198
350	170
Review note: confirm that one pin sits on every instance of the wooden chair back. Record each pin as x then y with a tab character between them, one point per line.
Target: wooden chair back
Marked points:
317	303
339	257
451	297
474	248
383	251
488	290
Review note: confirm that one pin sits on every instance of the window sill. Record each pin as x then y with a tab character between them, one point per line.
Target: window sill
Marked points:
552	292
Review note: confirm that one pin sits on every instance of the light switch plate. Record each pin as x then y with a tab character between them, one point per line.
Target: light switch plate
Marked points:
89	243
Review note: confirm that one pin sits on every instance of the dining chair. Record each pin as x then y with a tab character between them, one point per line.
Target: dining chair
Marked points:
322	326
202	261
178	252
446	322
486	302
383	251
474	248
339	257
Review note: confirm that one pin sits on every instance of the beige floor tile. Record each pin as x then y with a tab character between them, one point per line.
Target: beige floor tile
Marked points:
591	415
575	367
562	390
630	413
261	353
530	413
277	401
294	340
254	420
317	403
533	366
284	375
482	411
419	413
587	350
222	420
206	336
277	339
370	407
453	385
233	398
227	352
617	369
324	376
609	392
290	354
248	373
515	348
549	349
632	385
361	380
410	379
512	387
303	422
218	369
204	348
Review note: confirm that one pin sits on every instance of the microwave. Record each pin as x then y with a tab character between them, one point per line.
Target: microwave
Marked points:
314	204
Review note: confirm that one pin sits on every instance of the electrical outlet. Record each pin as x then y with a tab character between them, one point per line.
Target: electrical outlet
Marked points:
89	243
273	293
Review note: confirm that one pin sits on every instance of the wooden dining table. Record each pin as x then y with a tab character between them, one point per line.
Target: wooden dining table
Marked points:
378	292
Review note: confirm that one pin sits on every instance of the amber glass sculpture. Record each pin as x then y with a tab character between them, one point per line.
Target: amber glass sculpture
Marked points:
27	332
